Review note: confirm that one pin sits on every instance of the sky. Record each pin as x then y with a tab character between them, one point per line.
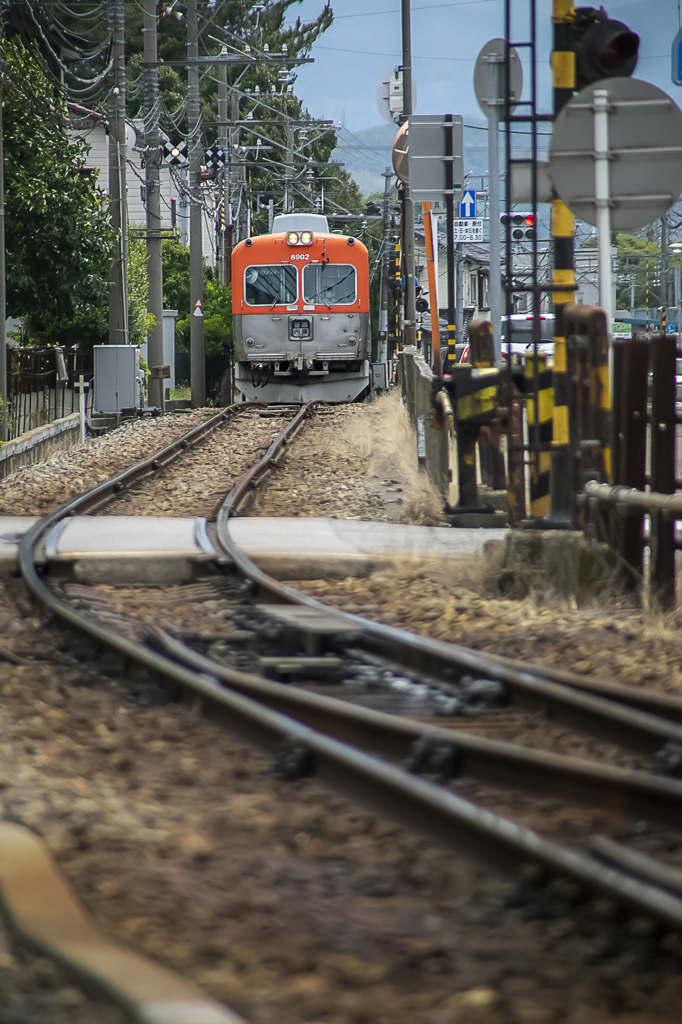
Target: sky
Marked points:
365	41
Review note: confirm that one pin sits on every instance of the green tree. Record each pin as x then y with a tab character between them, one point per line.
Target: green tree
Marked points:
175	258
139	321
264	97
217	301
58	239
638	262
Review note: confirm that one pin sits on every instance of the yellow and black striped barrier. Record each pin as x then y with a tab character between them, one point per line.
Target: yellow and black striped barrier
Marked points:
473	390
540	430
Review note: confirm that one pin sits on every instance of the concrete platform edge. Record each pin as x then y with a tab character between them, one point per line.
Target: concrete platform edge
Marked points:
43	914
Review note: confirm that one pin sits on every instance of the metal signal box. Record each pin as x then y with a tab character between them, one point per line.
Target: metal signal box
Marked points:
119	379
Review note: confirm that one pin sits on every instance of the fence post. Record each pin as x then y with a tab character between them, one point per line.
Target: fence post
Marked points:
82	388
663	430
630	385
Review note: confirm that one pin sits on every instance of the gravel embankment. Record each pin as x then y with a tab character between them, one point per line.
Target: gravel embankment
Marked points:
283	900
351	462
614	643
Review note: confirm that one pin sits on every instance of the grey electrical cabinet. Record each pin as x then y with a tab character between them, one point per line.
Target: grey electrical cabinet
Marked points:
119	380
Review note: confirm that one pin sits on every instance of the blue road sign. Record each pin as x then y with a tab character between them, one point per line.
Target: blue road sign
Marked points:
467	206
677	59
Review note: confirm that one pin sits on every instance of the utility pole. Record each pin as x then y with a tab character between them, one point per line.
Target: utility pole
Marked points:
410	327
664	262
225	231
459	295
289	170
196	253
4	409
152	162
234	166
118	274
382	353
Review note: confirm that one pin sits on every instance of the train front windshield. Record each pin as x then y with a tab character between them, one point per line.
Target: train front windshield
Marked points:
267	285
330	283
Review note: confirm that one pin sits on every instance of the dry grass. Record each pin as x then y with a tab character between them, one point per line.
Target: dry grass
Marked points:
383	434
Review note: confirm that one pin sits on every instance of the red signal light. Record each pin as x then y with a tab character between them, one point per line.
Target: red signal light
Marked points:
529	220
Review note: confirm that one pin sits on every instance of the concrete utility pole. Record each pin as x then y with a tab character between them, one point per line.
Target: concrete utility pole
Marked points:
382	352
152	164
234	166
225	235
664	262
459	294
118	274
289	171
410	328
196	253
4	409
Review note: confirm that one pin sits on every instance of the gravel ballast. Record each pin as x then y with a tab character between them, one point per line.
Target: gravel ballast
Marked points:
39	489
281	899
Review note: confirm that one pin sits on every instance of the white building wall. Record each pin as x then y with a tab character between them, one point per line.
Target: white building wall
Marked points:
97	139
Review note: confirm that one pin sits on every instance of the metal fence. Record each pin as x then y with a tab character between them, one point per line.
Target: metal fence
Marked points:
646	448
41	385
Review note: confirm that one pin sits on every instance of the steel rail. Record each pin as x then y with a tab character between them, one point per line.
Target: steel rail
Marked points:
527	689
242	489
638	794
107	489
387	789
666	705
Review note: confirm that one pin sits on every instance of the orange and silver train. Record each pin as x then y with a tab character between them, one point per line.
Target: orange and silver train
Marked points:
300	299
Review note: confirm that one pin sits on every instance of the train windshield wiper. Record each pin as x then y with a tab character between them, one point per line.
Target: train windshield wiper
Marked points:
278	296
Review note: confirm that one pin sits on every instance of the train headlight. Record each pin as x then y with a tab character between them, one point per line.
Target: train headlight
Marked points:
352	340
292	238
249	342
306	237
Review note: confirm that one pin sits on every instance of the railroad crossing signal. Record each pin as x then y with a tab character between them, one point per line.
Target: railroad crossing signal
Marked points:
467	205
215	157
175	156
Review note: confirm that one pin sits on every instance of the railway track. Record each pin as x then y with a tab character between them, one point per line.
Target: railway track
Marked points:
400	766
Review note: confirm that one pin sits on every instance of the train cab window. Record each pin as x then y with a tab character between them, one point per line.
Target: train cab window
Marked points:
267	286
329	283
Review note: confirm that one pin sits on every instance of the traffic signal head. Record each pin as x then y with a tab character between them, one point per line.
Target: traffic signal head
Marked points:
604	48
523	225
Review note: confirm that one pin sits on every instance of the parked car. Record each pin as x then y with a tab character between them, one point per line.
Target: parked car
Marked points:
522	335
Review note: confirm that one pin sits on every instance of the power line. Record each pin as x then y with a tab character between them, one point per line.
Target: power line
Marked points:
428	7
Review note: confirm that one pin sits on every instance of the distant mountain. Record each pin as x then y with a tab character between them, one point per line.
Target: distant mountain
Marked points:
367	152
